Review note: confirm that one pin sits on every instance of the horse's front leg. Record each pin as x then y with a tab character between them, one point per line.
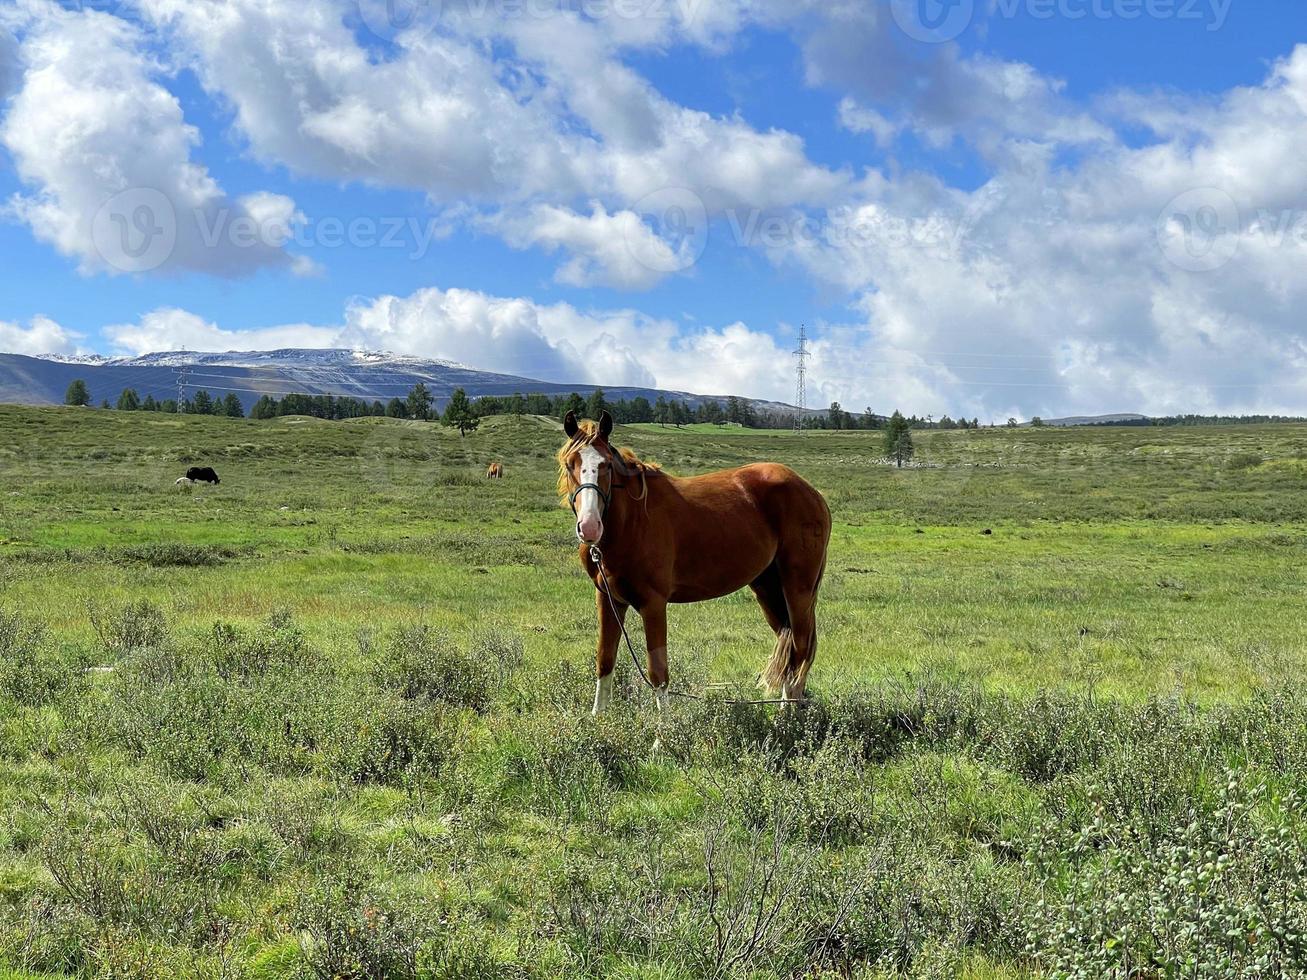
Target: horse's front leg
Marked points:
654	614
610	633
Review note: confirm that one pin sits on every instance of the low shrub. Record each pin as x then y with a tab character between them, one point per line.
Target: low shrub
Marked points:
31	674
425	664
136	626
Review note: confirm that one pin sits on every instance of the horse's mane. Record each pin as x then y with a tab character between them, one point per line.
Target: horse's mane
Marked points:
587	435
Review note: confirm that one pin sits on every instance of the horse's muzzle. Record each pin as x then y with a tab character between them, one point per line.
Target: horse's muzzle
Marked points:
589	529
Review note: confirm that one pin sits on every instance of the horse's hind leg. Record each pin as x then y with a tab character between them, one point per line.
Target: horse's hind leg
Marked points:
803	621
770	594
800	581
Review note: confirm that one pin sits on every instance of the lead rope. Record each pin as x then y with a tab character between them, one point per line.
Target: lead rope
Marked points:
596	556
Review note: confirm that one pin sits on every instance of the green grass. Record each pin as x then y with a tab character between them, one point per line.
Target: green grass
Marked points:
329	717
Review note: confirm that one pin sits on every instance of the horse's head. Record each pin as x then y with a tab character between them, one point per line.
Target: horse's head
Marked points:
585	473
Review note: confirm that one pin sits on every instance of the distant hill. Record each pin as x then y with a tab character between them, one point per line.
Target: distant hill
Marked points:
373	375
1120	419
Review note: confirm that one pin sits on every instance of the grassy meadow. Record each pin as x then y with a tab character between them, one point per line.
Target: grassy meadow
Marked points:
330	718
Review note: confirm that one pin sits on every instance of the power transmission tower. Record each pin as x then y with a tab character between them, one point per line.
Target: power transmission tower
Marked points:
801	356
181	388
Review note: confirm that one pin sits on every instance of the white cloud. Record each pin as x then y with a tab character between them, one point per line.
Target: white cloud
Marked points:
549	342
512	113
605	249
169	328
441	117
1048	290
106	149
41	336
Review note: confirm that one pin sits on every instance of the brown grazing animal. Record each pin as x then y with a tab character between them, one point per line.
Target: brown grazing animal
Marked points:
495	471
666	539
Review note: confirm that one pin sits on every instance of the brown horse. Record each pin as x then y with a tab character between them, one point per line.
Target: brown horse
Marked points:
666	539
495	471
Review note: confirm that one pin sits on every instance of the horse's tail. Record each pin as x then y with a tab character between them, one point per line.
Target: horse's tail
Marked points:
778	668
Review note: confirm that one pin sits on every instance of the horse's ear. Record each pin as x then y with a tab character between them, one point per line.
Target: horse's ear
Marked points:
570	426
605	425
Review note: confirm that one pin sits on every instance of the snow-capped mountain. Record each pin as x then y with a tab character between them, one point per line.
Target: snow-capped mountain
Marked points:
371	375
303	357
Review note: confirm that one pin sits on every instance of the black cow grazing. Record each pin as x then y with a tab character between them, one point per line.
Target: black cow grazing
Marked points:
202	474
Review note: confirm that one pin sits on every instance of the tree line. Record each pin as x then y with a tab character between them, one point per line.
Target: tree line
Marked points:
464	413
129	400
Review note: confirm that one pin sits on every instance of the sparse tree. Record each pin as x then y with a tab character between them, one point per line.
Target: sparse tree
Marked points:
265	408
898	439
202	403
459	413
232	407
129	401
419	402
1037	422
77	394
149	405
573	403
395	409
596	404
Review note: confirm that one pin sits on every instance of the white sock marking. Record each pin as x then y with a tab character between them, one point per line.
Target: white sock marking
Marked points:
603	694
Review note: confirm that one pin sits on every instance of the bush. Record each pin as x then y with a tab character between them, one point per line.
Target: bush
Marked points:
274	644
174	555
424	664
29	674
137	626
1221	895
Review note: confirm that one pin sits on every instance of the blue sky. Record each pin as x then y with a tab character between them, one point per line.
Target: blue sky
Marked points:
995	218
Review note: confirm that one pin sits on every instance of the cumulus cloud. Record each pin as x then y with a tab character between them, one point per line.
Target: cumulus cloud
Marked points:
1155	277
508	113
107	152
509	335
617	249
41	336
169	328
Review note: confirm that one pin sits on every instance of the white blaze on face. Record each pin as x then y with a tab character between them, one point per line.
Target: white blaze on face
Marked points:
589	505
